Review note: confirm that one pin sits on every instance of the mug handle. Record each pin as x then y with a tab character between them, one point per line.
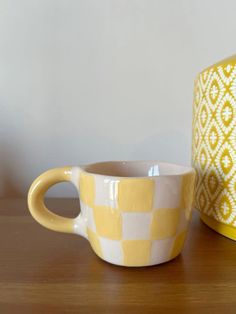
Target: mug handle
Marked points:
43	215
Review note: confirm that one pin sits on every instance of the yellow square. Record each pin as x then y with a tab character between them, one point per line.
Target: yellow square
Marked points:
108	222
178	244
94	241
87	188
135	195
187	191
165	222
136	252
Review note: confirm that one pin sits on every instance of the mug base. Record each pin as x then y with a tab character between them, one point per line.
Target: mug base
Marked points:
139	265
223	229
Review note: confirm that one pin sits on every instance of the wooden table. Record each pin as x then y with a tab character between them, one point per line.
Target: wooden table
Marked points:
47	272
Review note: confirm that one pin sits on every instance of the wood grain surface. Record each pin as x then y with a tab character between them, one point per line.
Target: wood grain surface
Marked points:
42	271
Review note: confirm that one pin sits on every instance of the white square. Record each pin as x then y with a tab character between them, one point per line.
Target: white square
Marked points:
167	192
75	172
183	221
87	214
161	250
106	191
111	251
136	226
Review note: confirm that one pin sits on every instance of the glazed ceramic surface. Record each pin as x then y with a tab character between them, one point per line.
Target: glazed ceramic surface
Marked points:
132	213
214	146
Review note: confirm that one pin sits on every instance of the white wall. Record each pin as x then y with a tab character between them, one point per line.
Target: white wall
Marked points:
83	81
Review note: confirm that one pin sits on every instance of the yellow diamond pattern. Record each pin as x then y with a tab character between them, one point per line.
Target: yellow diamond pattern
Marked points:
214	142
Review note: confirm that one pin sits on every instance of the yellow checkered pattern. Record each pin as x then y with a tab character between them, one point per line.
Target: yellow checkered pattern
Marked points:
124	226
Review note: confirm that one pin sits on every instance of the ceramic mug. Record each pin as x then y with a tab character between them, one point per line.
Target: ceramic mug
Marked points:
133	213
214	146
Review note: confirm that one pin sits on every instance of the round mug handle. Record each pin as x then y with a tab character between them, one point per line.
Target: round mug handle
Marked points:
36	200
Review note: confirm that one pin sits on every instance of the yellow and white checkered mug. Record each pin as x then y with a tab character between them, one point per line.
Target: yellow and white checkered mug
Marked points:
132	213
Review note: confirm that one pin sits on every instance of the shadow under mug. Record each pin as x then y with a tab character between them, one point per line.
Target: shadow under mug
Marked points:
133	213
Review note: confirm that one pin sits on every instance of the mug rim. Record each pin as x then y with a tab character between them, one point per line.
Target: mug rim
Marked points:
184	169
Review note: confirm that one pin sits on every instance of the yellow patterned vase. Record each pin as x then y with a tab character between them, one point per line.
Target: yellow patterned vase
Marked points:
214	146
